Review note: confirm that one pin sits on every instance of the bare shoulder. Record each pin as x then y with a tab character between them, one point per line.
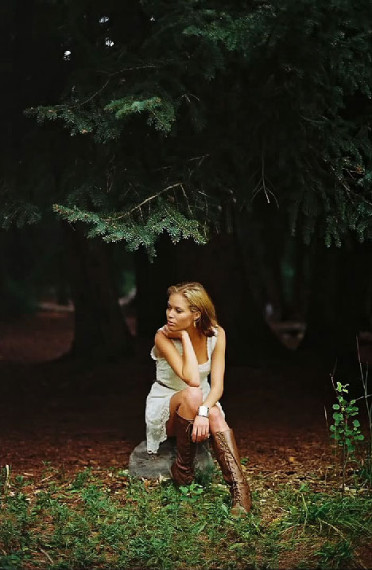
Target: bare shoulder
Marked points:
158	334
221	333
221	340
164	343
161	343
160	339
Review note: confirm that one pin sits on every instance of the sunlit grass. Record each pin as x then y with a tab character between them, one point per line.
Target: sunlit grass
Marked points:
105	519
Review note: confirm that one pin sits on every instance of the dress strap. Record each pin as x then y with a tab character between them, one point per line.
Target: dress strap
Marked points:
211	343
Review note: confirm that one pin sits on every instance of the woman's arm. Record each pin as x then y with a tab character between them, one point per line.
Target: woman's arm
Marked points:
217	370
201	424
186	365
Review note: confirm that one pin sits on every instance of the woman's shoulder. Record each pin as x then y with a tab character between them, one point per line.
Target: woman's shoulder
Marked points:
158	335
219	338
162	343
219	331
155	351
216	338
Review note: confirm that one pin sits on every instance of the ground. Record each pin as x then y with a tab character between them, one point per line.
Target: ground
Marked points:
65	415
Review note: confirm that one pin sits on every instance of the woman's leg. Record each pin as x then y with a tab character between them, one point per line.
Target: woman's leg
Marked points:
216	420
184	403
183	408
227	455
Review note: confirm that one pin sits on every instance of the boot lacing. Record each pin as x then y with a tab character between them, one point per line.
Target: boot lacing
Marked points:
228	451
237	489
236	486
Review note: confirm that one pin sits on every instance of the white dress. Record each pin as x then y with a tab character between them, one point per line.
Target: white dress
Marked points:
166	385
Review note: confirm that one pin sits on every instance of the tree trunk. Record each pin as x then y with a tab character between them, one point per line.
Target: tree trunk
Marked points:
100	329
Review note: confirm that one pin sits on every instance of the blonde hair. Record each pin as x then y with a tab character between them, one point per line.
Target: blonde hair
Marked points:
198	300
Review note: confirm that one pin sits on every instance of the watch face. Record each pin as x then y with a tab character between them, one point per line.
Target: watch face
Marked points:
203	411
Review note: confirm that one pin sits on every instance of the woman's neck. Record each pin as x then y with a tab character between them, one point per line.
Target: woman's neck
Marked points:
195	334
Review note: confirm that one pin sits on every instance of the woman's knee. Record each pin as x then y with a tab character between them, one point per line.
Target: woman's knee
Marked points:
216	420
192	397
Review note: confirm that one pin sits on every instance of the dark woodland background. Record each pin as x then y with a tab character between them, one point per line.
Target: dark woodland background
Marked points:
149	142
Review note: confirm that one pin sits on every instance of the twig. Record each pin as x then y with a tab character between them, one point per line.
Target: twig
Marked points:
149	199
187	201
94	94
262	185
46	555
366	396
82	103
6	482
135	68
326	418
47	478
263	177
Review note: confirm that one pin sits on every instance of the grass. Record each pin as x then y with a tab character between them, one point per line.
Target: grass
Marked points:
105	519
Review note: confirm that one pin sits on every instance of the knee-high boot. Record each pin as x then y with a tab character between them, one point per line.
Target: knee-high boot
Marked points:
227	455
183	467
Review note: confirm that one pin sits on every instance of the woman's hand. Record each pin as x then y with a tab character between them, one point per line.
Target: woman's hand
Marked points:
172	334
200	430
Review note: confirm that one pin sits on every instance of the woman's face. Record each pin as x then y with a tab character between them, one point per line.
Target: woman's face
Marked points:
179	315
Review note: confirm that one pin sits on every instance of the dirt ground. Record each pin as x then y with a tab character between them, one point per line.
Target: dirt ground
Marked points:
73	415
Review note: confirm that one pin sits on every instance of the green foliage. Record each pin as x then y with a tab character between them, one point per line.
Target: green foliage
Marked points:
165	217
239	103
161	113
335	555
18	212
341	521
345	430
107	519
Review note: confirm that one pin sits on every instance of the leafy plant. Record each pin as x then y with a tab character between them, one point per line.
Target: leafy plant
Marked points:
345	430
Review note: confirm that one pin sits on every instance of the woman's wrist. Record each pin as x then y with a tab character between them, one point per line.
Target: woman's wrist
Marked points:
203	411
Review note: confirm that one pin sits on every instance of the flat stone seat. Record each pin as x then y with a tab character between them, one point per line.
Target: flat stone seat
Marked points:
154	466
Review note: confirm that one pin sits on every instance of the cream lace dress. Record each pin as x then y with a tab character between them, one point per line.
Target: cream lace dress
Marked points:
166	385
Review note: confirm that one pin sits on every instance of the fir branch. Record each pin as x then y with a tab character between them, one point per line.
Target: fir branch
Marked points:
147	200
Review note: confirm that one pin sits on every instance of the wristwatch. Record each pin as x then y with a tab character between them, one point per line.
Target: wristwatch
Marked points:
203	411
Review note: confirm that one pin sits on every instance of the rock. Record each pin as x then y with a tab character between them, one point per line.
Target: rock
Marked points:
153	466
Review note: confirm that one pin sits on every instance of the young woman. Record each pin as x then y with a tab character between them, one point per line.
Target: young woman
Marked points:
181	402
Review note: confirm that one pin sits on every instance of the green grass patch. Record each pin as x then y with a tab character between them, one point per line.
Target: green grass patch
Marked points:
105	519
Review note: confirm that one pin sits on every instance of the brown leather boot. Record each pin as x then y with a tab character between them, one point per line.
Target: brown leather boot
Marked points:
183	467
227	455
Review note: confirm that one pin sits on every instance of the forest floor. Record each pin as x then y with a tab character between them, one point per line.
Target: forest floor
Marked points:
73	416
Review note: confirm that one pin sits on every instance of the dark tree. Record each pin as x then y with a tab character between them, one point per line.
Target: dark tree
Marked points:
194	118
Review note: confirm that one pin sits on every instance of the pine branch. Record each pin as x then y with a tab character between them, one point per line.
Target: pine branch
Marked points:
149	199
